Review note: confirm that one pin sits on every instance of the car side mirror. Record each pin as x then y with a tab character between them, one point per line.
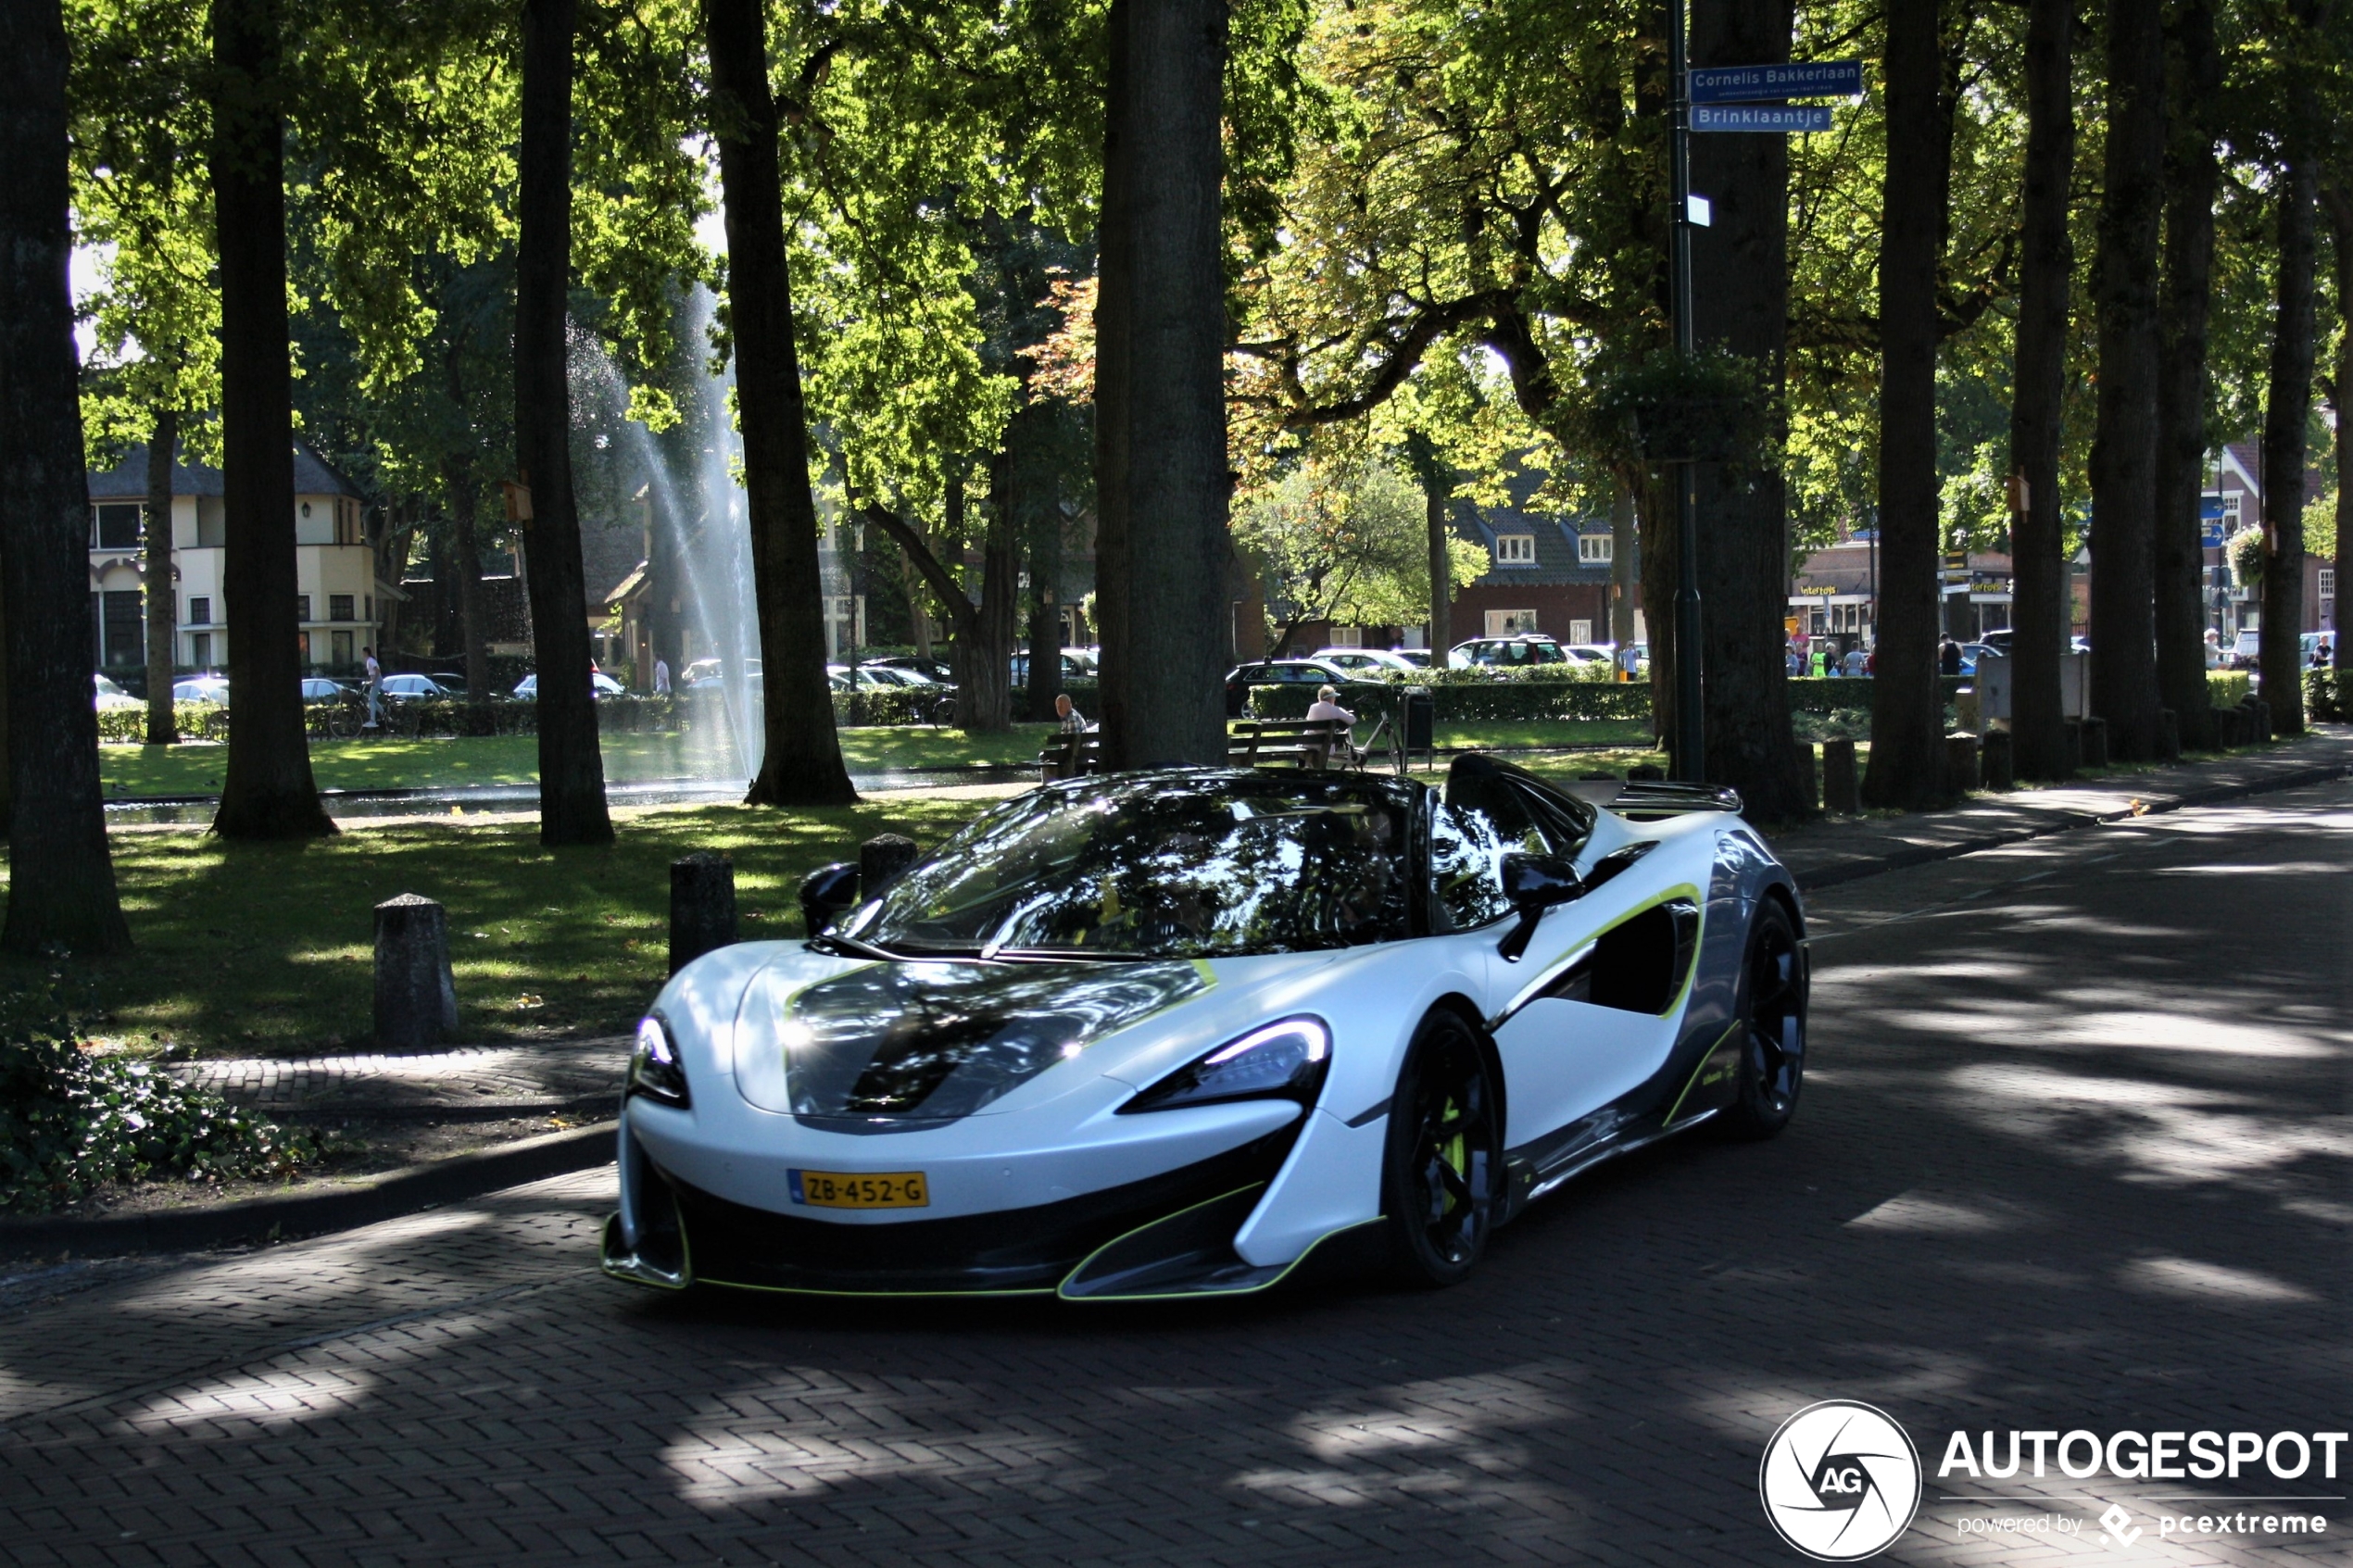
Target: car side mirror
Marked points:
826	894
1533	884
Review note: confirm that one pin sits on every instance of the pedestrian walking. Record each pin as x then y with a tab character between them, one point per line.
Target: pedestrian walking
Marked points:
375	687
661	676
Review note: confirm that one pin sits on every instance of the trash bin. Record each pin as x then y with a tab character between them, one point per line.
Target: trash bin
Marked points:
1420	717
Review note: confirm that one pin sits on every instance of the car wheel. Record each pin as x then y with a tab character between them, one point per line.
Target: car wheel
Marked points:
1773	1021
1444	1155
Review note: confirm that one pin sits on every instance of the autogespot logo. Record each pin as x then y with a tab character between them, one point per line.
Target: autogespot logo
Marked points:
1841	1481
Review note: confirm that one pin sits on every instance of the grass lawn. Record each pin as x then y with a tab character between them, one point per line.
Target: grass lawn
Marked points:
193	767
268	949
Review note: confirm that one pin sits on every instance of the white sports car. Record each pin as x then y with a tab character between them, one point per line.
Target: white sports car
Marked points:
1162	1033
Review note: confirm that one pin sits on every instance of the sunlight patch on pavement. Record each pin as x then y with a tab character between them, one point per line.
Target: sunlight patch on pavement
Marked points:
276	1398
2216	1283
1947	1214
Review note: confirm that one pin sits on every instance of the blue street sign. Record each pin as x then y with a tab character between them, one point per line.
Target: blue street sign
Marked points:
2209	506
1763	117
2209	532
1801	79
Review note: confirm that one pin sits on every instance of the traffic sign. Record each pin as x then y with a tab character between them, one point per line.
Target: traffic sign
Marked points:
2209	534
2209	506
1799	79
1763	117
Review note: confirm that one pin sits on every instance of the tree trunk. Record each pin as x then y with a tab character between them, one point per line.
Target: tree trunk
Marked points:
1045	611
2287	408
1624	554
61	887
1437	479
991	668
2123	629
267	789
572	768
156	576
1740	282
2179	564
1162	482
2039	614
2339	205
461	490
801	765
1907	702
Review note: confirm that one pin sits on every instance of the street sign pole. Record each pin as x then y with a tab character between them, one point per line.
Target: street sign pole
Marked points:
1691	732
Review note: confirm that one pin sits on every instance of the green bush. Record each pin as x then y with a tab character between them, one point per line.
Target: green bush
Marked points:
128	725
71	1123
2328	696
2228	688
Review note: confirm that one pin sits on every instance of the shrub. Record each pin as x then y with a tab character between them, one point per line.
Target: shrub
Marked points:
71	1122
2328	696
2227	688
128	725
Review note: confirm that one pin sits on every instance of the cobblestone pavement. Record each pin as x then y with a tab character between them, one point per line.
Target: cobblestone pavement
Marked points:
2073	1154
499	1079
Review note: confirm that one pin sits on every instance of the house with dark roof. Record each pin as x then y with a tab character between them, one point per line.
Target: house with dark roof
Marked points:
337	600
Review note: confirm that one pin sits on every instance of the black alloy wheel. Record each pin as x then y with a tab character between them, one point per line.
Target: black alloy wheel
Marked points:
1772	1023
1445	1157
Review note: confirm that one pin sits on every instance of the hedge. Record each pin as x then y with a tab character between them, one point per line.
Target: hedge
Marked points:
2227	688
2328	696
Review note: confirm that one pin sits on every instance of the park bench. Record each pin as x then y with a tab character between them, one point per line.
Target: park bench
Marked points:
1299	742
1068	756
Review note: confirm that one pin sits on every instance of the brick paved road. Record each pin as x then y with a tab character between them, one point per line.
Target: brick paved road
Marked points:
2073	1154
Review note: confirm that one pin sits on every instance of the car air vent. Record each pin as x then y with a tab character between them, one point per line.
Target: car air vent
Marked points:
1653	797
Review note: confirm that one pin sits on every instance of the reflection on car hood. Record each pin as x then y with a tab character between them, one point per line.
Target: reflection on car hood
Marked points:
936	1041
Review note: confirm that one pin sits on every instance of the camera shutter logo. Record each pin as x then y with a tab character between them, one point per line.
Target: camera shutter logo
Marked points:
1841	1481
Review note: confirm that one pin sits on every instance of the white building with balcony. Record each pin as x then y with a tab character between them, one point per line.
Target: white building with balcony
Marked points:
337	596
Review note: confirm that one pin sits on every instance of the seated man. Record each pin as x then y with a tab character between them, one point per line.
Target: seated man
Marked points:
1325	709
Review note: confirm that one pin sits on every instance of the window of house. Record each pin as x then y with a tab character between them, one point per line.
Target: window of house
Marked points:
1515	549
2231	500
212	522
339	607
1595	549
200	650
302	607
1510	622
340	643
199	612
123	628
2328	581
1348	636
1581	631
115	526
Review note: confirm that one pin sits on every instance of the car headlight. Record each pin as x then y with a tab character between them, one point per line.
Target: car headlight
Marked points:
1283	1060
655	1070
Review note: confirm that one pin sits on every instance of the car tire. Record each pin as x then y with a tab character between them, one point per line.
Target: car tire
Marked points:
1772	1027
1442	1166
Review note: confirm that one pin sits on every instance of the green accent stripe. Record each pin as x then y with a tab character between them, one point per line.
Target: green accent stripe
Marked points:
1705	1057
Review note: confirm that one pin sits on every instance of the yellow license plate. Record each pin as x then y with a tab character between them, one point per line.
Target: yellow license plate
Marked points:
873	1189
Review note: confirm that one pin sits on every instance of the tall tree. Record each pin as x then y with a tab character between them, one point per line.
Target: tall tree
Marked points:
2123	621
2337	197
267	790
571	769
1161	479
61	886
2046	267
801	764
2287	412
156	575
1740	283
2191	176
1436	477
1908	704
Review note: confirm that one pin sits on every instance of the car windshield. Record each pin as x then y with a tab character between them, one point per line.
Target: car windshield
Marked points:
1166	866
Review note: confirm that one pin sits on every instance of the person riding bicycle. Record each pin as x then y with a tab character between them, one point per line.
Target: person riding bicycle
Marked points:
373	686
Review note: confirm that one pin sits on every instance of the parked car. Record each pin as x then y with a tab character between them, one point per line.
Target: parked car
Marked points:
710	674
201	688
1972	652
319	688
1073	669
527	689
1505	653
1417	658
930	668
1587	653
106	694
1277	672
1367	662
415	688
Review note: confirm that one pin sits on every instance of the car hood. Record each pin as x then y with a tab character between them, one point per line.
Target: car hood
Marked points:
918	1041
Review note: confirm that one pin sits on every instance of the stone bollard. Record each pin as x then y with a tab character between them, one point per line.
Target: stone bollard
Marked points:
2072	745
2094	743
2259	719
881	860
1999	760
2168	735
1842	790
1809	783
1960	763
416	996
702	907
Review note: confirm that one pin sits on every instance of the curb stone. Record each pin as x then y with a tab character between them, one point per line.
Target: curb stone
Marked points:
346	1206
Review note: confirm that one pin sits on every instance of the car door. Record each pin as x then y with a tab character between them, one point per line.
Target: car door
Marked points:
1579	1021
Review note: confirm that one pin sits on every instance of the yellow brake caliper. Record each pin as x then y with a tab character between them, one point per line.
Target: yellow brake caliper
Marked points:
1454	1153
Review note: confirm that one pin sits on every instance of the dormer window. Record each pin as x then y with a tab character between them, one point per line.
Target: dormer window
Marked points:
1594	549
1515	549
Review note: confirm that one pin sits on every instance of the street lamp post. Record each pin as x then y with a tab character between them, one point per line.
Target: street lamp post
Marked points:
1690	727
